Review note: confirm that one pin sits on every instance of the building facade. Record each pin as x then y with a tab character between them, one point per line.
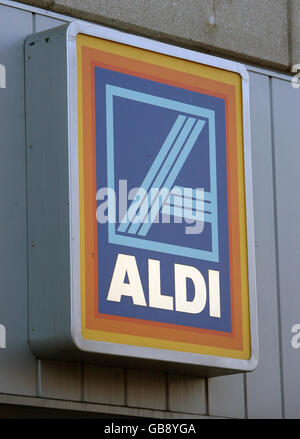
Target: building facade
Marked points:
262	35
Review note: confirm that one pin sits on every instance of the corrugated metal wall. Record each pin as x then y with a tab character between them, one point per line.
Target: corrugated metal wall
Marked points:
273	390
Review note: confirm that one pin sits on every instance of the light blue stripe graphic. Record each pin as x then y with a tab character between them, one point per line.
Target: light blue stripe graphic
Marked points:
165	169
153	171
160	102
178	164
110	150
184	205
162	247
184	213
213	185
180	196
196	195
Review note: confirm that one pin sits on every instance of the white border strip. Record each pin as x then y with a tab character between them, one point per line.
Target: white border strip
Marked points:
107	33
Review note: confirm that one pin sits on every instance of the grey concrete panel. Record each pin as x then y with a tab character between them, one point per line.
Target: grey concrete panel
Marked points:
104	385
263	384
226	396
251	29
17	364
61	380
186	394
286	104
146	389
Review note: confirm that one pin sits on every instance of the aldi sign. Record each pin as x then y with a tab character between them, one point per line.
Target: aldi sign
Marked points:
155	145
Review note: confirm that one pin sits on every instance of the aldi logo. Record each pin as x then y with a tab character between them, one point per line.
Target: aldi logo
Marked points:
165	147
162	249
164	201
161	149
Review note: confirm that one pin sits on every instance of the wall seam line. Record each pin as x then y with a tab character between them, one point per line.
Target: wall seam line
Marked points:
38	362
206	396
126	387
245	396
276	248
167	377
